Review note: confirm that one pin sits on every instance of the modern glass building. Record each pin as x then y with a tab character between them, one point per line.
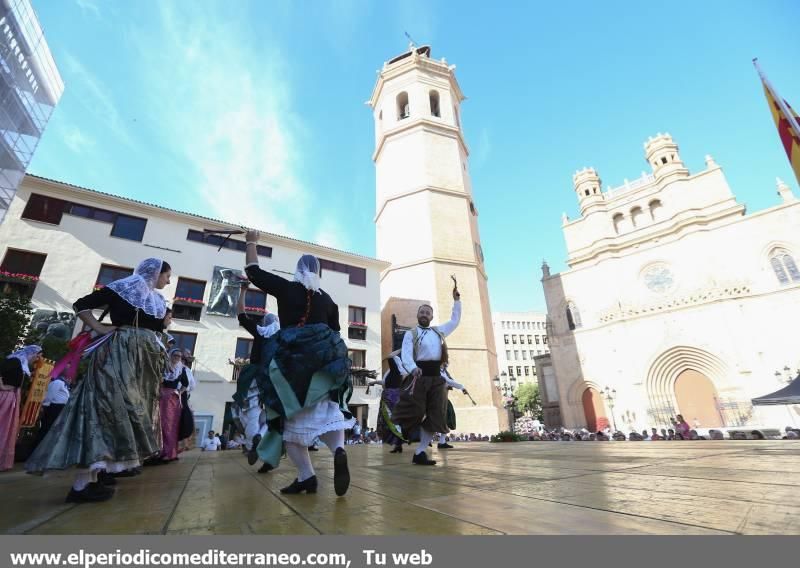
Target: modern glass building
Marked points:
30	88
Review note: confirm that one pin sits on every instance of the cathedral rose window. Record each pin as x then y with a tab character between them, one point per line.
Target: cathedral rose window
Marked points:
658	278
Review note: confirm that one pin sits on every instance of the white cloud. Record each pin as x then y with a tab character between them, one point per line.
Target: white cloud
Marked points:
96	98
227	110
76	140
328	234
89	6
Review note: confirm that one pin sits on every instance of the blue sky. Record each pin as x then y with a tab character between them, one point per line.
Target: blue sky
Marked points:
254	111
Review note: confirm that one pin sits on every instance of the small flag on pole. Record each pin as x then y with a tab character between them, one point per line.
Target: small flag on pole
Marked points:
786	121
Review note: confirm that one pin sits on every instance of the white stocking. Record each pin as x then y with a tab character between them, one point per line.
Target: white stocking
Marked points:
333	440
84	477
301	460
425	438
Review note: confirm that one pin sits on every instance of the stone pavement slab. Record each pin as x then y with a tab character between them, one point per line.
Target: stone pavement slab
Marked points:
701	487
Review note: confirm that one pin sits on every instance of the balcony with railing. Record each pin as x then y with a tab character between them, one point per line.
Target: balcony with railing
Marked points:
361	377
238	364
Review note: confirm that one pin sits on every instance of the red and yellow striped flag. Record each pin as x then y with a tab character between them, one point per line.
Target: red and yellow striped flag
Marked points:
786	120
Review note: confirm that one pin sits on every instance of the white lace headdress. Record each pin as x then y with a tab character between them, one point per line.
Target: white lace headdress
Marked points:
307	272
139	289
23	355
269	326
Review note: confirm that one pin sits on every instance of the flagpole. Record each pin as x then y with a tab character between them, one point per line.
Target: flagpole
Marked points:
784	109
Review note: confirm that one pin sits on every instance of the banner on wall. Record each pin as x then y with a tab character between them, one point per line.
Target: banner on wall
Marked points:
225	289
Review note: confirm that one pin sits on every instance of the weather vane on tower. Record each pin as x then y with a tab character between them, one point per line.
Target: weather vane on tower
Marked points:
413	44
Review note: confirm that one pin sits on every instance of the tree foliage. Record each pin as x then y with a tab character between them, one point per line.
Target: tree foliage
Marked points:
15	315
528	400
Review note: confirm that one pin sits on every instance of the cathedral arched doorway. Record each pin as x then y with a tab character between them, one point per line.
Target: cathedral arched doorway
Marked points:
594	410
697	399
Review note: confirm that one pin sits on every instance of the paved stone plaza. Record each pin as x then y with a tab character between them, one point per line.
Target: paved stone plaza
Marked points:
479	488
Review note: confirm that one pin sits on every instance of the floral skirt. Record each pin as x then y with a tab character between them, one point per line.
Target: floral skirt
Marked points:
170	408
386	429
111	421
9	426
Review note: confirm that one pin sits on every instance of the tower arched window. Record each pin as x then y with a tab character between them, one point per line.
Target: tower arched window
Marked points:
458	120
433	98
617	219
636	216
403	108
655	209
784	266
573	316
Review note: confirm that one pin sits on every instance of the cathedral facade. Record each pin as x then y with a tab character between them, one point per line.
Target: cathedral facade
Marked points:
674	302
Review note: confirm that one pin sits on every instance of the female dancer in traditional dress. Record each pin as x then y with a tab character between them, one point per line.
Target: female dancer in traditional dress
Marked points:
305	381
13	370
175	381
247	396
186	427
392	382
111	420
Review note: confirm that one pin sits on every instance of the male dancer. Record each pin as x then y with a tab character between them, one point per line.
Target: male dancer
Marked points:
423	401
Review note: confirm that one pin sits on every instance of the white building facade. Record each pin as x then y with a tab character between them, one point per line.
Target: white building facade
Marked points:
520	337
674	300
68	240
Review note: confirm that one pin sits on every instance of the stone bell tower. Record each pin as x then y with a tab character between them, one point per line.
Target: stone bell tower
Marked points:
427	224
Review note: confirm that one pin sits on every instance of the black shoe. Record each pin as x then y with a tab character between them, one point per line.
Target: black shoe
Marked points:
309	486
252	454
422	459
397	450
126	473
136	471
92	493
266	468
341	474
313	449
104	478
444	446
153	461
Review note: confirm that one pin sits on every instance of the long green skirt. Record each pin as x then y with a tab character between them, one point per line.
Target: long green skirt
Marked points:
111	420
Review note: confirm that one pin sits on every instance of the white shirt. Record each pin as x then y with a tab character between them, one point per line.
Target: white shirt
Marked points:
57	393
192	380
450	382
211	444
429	348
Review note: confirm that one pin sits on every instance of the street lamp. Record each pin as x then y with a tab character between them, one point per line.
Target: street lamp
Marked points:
610	395
786	376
